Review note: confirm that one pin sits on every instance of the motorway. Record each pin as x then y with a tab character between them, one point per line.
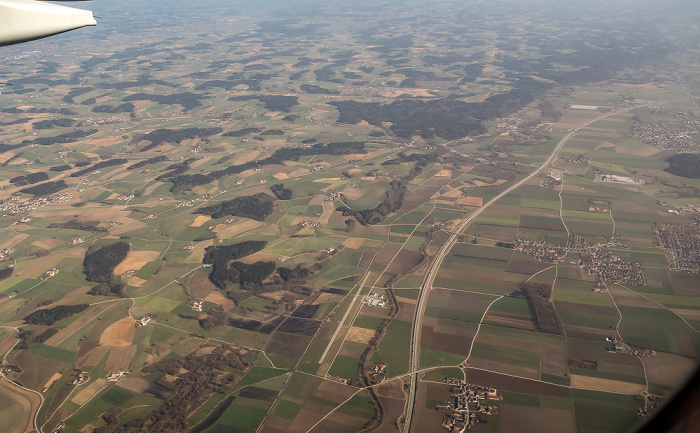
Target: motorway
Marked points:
427	285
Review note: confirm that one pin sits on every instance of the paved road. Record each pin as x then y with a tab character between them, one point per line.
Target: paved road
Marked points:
435	267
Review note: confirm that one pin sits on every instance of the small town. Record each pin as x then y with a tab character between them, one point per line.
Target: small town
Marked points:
461	415
681	243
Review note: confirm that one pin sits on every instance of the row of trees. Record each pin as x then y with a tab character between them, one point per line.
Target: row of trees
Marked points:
49	316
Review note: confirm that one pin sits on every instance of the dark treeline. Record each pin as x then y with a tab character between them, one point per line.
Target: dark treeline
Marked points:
99	263
253	85
126	107
317	90
50	316
183	183
6	273
45	188
224	273
446	118
242	132
27	337
685	165
537	295
187	100
64	167
145	162
87	226
257	207
281	192
100	165
160	136
29	179
271	102
48	124
70	137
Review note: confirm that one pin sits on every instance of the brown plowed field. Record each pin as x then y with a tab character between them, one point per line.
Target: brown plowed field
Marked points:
310	413
522	419
514	384
586	308
404	261
120	333
334	391
287	345
553	361
667	370
366	259
444	342
518	320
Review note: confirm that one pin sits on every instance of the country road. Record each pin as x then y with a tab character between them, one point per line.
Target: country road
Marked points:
427	285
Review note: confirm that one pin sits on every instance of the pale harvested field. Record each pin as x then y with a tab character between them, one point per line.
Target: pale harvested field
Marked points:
260	257
120	333
281	176
321	299
327	179
597	384
4	156
148	191
247	158
200	220
39	266
51	380
480	183
47	243
127	226
137	282
74	327
368	178
328	208
424	93
453	193
14	241
86	394
354	243
135	260
240	227
471	201
218	298
444	173
360	335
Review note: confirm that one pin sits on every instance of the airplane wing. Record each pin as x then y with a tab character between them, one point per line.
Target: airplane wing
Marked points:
27	20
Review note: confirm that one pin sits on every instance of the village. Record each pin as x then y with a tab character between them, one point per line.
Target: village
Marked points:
468	401
681	243
669	136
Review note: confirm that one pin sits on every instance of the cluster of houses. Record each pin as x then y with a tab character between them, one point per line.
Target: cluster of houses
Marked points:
597	260
51	272
540	251
681	242
374	299
125	197
333	196
5	253
553	180
33	204
145	320
76	241
305	224
196	304
674	136
460	417
80	378
115	376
